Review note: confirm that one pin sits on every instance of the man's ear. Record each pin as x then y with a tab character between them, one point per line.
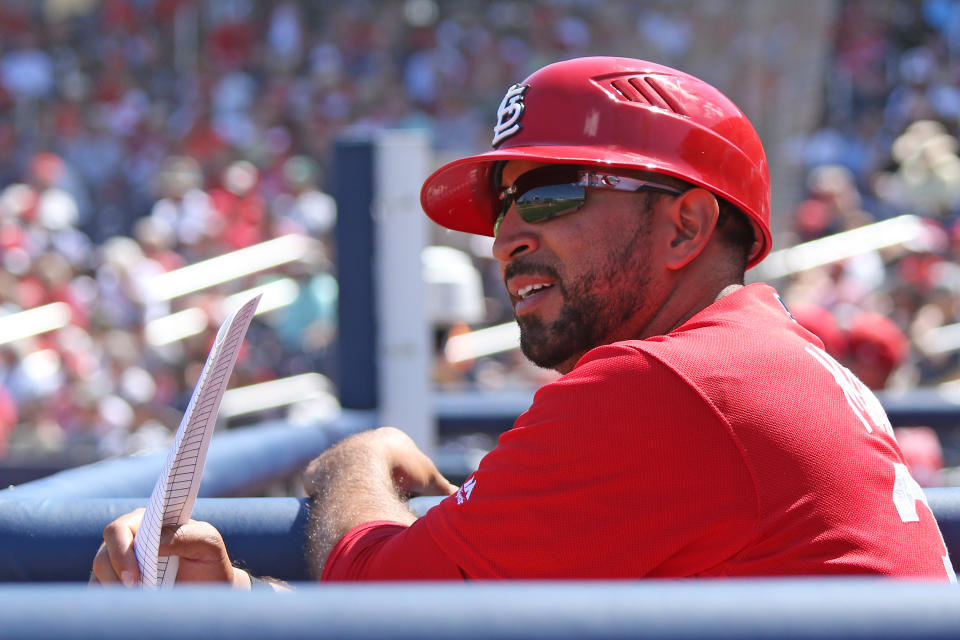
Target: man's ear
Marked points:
692	218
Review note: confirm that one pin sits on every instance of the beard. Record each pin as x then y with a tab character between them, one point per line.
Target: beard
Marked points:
596	306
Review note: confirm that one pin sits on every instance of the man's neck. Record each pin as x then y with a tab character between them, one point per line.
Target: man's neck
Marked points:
684	304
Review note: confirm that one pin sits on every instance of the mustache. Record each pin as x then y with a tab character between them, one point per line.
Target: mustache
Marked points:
529	267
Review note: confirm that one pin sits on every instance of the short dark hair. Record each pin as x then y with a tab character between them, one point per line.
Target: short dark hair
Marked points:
735	229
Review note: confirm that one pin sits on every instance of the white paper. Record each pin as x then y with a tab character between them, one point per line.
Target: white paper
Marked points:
171	502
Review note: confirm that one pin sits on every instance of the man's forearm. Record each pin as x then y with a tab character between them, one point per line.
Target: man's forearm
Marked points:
351	483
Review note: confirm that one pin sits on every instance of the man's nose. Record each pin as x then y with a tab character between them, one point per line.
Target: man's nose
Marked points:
515	238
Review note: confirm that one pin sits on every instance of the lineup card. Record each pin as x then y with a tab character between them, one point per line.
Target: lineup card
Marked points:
171	502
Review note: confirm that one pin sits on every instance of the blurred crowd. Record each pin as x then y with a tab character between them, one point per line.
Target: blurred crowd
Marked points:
887	146
139	136
106	383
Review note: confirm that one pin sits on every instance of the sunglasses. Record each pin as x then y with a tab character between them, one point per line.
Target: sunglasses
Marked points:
552	191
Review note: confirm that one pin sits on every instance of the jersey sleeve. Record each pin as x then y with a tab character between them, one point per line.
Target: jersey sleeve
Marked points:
620	469
385	551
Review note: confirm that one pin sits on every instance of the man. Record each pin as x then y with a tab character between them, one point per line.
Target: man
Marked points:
697	429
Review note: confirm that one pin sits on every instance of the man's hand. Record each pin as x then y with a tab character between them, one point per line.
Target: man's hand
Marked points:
410	470
366	477
203	555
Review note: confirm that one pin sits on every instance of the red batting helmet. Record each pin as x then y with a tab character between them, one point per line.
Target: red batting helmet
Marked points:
613	112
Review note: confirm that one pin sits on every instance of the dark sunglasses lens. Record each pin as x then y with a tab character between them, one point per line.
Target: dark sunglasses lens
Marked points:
549	201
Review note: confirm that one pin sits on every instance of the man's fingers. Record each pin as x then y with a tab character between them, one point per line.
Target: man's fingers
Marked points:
203	554
196	540
450	488
103	572
118	544
436	484
200	546
440	486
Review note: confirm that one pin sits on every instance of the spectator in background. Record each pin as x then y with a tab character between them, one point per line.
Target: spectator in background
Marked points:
157	239
821	323
26	70
872	346
876	346
185	207
241	211
924	454
927	179
46	213
301	206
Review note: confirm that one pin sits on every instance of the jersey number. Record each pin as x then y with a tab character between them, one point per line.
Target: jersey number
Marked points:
906	491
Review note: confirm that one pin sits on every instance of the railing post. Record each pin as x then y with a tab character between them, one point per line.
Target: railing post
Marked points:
385	351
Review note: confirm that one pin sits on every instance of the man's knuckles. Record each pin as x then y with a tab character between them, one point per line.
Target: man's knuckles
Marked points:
195	539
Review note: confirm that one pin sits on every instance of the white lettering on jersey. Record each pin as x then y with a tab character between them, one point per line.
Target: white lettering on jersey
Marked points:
906	493
906	490
463	493
861	400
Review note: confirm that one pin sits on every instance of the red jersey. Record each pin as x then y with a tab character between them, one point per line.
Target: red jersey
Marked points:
732	446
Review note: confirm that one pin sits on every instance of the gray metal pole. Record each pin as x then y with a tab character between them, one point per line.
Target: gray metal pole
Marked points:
404	350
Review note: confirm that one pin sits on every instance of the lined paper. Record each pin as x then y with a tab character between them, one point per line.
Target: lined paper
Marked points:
171	502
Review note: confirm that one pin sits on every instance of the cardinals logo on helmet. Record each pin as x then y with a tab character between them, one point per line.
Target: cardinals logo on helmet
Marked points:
508	115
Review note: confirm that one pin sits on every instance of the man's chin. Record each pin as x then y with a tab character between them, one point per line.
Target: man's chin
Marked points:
556	345
542	353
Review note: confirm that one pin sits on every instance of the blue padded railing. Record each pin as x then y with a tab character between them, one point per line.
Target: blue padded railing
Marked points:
248	458
494	412
55	539
742	609
239	461
945	504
